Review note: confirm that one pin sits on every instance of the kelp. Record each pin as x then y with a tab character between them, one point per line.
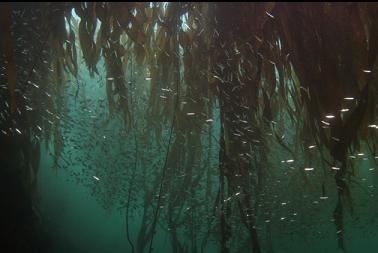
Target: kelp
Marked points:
20	119
7	49
87	28
330	64
253	65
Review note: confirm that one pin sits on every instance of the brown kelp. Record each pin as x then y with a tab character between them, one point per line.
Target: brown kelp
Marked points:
215	89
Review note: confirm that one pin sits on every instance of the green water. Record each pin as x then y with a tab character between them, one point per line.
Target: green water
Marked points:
83	215
207	132
78	223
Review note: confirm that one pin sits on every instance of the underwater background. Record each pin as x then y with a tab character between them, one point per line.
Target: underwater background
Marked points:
189	127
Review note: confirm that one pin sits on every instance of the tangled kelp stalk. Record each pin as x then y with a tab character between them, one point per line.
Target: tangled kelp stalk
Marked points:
307	71
334	65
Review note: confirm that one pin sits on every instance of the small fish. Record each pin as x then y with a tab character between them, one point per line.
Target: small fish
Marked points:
270	15
324	122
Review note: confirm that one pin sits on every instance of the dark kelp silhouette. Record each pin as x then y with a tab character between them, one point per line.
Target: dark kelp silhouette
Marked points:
253	65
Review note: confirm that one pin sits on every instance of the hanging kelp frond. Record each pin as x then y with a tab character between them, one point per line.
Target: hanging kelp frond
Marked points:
7	50
333	65
71	54
87	27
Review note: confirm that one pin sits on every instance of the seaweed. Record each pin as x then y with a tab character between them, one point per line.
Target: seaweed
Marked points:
264	69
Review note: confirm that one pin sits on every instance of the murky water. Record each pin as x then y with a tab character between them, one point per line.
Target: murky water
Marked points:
189	127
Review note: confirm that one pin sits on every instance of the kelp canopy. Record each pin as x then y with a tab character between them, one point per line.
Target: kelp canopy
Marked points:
258	109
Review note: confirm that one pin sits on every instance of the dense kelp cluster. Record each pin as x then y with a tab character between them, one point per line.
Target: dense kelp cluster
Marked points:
227	87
